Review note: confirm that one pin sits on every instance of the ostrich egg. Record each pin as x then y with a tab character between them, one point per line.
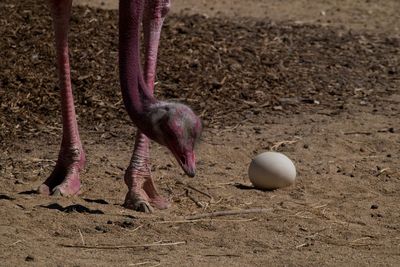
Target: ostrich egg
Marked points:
271	170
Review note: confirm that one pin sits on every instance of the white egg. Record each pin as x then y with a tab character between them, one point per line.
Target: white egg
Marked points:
271	170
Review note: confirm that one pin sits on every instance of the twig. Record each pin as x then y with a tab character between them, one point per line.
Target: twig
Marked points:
361	245
199	191
226	213
16	242
124	246
203	113
320	206
41	160
382	171
80	233
206	220
179	221
221	255
216	202
134	230
359	239
227	129
137	228
286	142
349	133
195	189
144	262
302	245
313	235
298	214
192	198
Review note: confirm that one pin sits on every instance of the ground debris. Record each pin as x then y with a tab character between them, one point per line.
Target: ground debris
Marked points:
225	70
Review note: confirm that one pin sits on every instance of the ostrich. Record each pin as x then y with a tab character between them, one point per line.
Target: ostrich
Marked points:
173	125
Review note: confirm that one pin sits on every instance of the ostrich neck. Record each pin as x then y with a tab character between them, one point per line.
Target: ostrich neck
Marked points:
137	97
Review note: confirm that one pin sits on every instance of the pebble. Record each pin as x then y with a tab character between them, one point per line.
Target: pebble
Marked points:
29	258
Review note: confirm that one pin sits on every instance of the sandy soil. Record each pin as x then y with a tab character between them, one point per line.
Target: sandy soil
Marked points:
326	96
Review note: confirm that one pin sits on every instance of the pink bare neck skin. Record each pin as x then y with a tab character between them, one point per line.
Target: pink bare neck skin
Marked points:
137	97
171	124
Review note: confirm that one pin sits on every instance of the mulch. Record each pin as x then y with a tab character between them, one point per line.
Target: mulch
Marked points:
229	71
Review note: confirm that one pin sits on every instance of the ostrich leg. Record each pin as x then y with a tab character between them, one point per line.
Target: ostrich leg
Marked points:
64	180
142	194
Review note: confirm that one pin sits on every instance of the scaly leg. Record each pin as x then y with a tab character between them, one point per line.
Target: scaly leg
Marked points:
142	194
64	180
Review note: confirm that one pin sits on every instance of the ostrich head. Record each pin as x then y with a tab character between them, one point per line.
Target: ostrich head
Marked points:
175	126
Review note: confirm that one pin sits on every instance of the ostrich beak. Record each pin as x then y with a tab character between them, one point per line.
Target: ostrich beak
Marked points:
187	161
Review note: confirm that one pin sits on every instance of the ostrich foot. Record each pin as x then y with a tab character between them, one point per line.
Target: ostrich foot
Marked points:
142	195
140	201
64	180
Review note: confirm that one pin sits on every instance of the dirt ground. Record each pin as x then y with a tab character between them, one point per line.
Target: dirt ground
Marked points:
318	82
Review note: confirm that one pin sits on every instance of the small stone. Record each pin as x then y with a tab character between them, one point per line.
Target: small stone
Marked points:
101	229
127	224
29	258
374	206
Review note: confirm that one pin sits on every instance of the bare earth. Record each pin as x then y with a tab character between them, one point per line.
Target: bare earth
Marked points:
318	82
